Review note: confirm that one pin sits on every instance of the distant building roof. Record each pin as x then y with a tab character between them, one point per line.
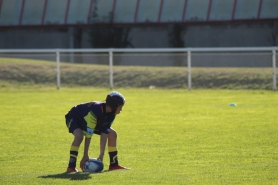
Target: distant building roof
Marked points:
14	13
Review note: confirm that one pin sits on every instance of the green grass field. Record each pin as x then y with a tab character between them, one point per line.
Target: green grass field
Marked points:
165	136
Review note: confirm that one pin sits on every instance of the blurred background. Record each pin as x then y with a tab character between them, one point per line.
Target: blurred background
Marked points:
138	23
229	44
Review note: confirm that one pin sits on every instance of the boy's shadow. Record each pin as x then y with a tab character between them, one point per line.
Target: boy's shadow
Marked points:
71	176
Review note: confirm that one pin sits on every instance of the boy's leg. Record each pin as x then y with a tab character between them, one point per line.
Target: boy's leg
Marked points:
78	137
113	152
112	147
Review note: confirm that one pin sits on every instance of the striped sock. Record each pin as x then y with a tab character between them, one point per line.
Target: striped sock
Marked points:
73	156
113	152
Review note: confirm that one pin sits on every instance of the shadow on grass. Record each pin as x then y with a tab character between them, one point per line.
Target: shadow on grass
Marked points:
71	176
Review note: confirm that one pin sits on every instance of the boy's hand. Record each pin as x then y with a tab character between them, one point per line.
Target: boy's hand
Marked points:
100	157
83	161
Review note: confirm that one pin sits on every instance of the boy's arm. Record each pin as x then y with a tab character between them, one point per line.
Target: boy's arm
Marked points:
86	152
103	140
86	147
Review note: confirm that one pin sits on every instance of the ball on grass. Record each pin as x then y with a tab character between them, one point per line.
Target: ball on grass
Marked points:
93	166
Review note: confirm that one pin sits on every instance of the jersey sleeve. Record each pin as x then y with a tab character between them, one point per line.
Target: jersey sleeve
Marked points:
91	121
106	128
104	124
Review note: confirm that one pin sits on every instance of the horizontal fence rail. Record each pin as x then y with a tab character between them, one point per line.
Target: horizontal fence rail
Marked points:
232	68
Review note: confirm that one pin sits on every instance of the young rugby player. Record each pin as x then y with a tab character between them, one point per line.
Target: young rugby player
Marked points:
90	118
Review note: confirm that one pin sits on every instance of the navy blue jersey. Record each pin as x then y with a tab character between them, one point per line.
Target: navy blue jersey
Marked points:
92	118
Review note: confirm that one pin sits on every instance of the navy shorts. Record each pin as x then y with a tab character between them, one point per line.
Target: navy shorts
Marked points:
72	124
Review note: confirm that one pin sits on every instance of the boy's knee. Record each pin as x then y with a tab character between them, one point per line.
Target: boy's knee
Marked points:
112	134
78	136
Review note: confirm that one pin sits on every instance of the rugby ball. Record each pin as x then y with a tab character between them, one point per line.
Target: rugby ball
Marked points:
93	166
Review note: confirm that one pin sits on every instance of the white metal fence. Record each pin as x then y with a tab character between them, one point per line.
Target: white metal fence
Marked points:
174	68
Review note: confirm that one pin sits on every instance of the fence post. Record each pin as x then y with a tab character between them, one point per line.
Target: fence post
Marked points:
189	68
111	68
58	69
274	68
